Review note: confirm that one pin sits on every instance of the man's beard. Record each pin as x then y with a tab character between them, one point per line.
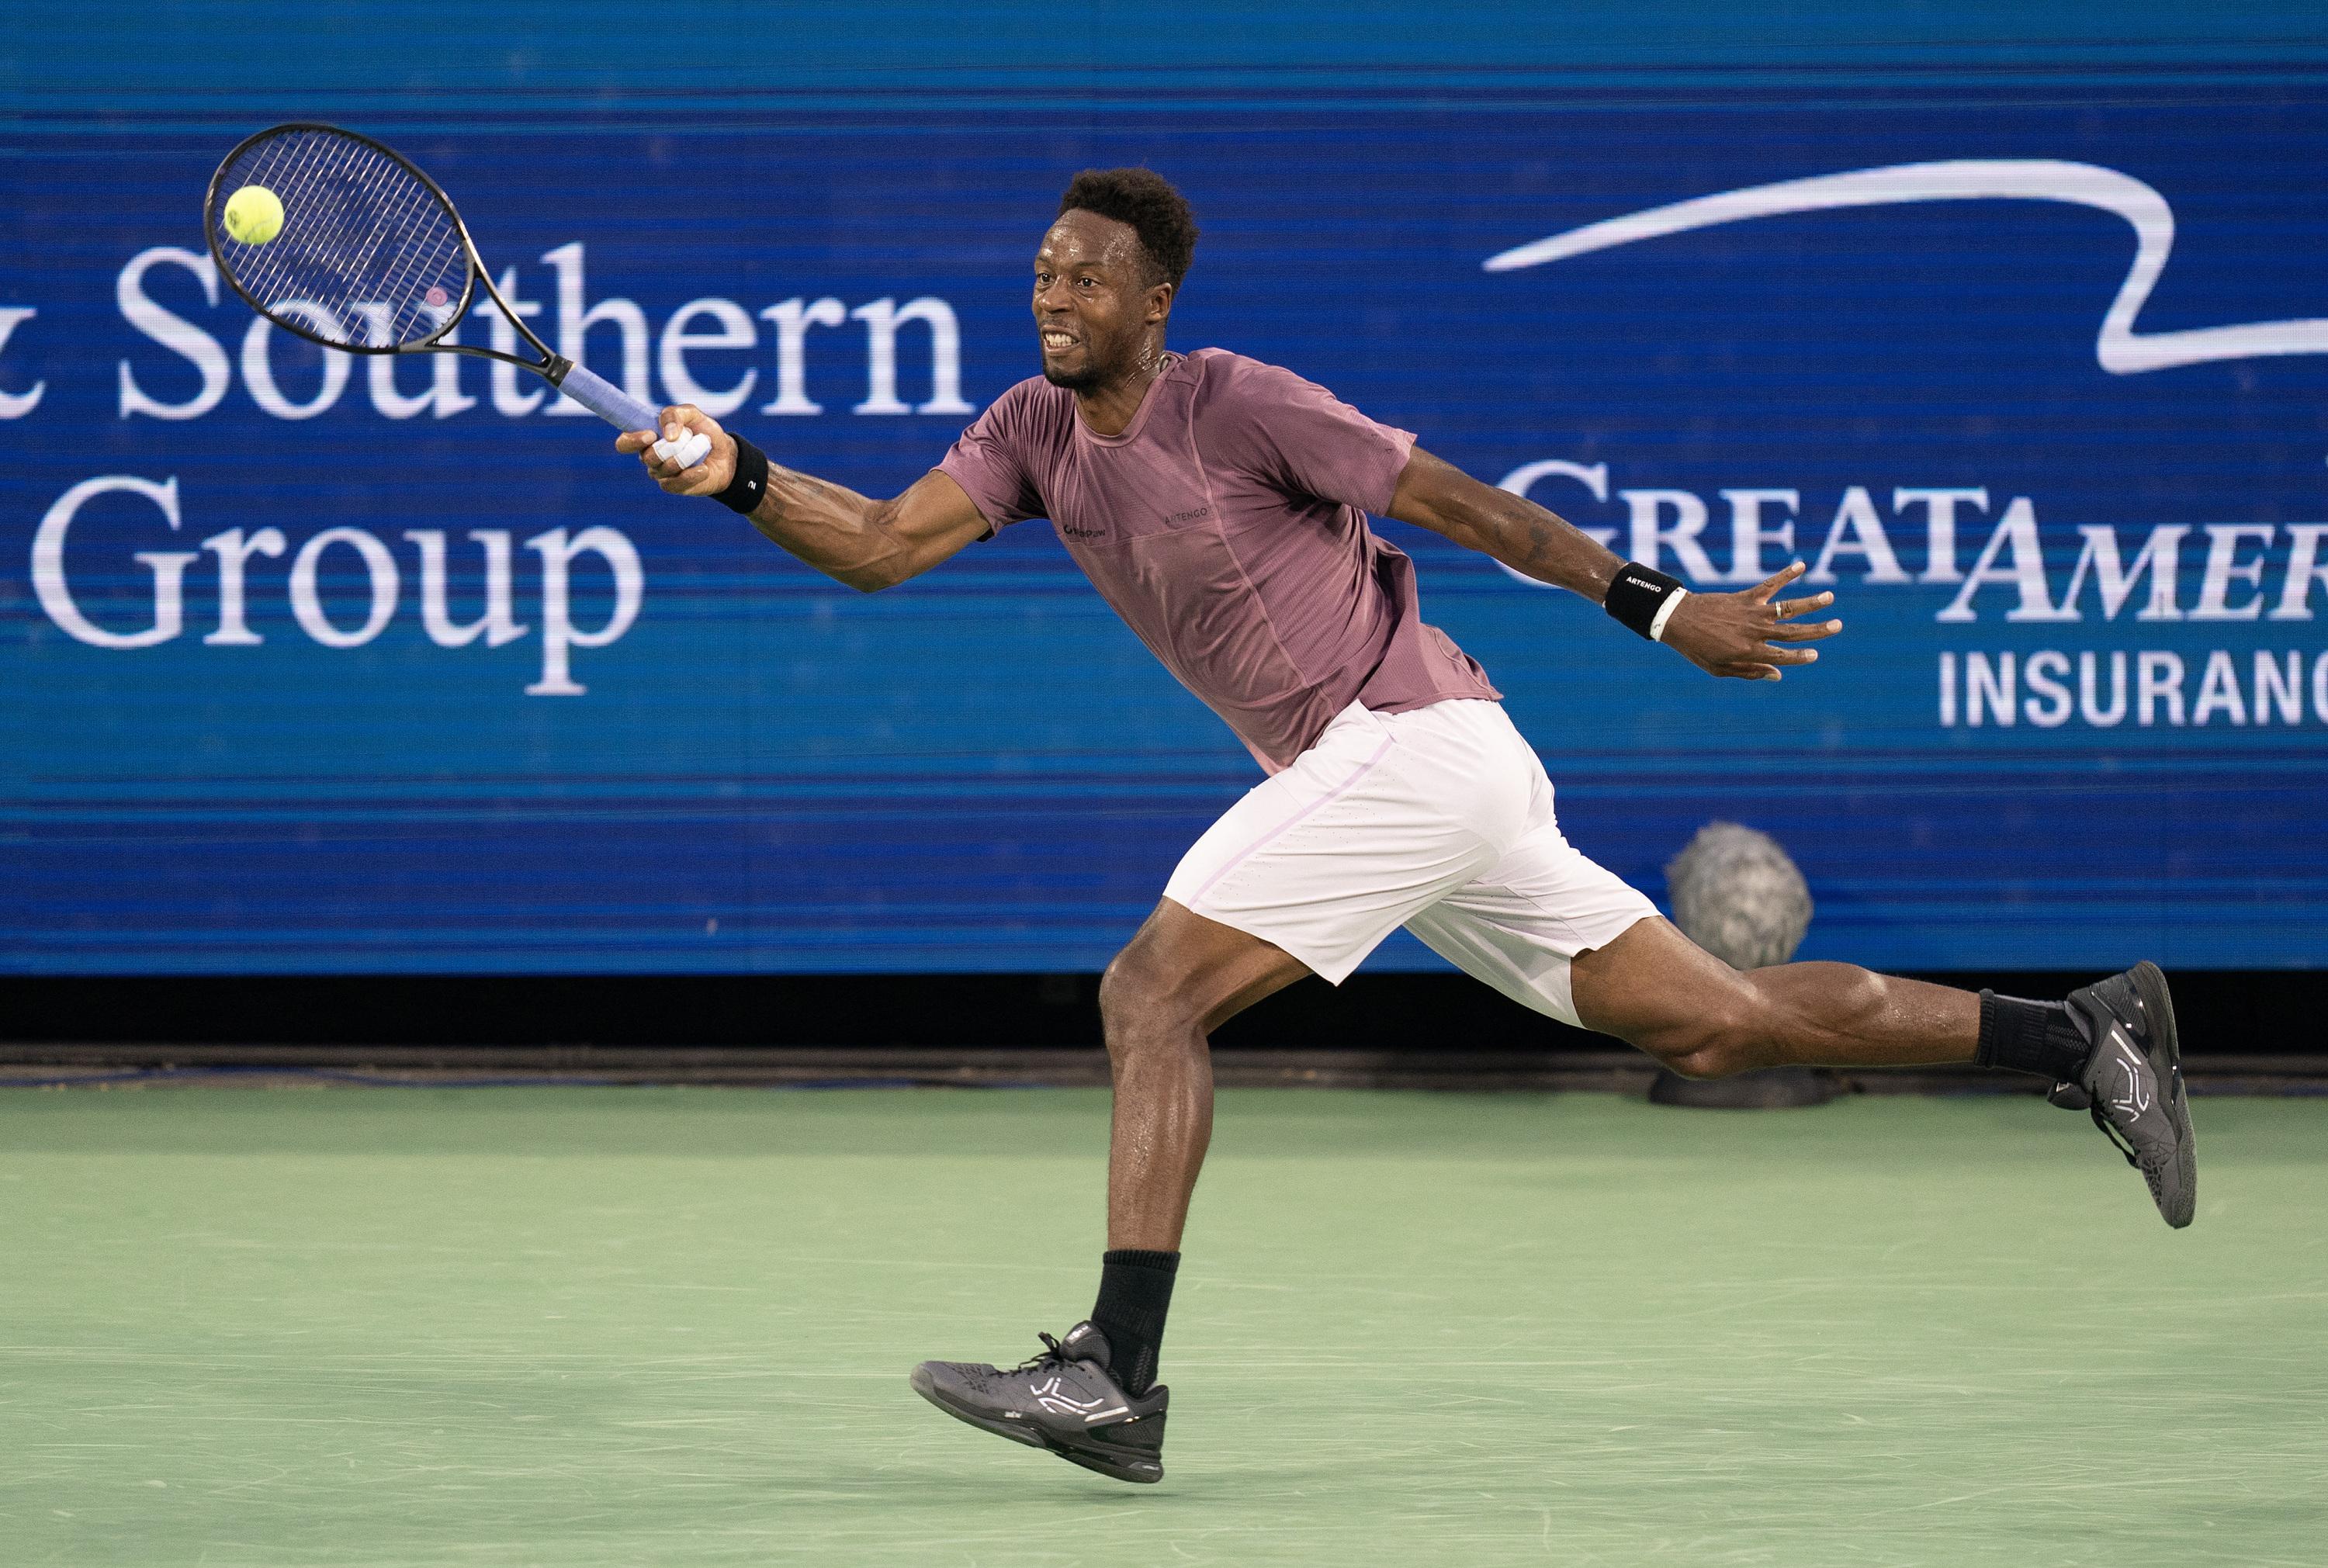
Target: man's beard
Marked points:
1088	379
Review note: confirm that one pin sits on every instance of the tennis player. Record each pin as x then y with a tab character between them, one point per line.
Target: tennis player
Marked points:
1220	505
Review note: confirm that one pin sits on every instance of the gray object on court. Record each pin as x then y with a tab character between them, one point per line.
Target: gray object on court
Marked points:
1737	894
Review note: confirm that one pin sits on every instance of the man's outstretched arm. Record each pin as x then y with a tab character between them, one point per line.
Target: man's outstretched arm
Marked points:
1732	634
853	539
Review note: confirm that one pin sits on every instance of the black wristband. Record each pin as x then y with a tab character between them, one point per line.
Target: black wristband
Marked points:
751	482
1637	594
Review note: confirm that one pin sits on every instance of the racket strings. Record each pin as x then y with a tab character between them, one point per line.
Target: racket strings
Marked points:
291	166
368	255
408	203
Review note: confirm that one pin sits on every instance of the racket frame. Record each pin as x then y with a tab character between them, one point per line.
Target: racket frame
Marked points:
552	366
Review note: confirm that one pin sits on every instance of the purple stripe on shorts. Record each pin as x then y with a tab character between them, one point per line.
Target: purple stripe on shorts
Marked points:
1329	797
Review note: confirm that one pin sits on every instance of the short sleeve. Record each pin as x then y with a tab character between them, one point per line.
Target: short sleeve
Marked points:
1299	437
988	462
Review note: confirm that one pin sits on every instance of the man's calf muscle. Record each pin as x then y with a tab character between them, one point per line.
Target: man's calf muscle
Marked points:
1657	991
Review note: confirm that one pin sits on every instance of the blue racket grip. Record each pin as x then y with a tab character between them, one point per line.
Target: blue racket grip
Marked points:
625	412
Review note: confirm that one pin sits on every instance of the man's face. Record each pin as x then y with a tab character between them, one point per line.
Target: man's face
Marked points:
1093	301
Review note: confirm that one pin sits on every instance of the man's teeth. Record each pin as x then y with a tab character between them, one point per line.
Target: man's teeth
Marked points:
1056	340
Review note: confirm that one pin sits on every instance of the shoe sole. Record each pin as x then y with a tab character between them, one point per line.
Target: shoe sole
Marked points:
2166	1053
1035	1437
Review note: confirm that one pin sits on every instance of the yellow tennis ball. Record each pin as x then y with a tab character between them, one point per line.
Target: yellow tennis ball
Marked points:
253	215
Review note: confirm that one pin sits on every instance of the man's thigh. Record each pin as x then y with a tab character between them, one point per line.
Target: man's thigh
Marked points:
1181	968
1523	923
1658	989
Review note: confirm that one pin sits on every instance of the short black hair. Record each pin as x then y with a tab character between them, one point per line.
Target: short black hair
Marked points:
1146	200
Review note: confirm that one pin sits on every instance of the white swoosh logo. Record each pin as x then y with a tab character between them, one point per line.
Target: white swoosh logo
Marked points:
2122	351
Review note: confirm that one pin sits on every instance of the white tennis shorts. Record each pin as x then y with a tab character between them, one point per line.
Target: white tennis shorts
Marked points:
1438	819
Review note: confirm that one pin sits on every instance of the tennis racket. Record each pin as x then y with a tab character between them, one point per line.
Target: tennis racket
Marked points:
372	258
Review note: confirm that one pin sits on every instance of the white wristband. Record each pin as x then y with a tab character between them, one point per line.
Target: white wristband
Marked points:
1664	613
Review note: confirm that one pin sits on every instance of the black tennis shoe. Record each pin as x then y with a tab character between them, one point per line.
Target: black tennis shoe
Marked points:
1065	1400
2133	1084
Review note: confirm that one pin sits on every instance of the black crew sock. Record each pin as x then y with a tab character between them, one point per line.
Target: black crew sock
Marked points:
1135	1292
2031	1036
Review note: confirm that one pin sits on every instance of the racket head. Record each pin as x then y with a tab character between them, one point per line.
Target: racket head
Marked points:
371	257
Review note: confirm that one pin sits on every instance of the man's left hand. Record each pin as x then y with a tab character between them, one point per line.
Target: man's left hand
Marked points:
1739	634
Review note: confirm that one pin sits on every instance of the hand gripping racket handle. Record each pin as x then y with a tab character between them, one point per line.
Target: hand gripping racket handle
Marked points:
625	412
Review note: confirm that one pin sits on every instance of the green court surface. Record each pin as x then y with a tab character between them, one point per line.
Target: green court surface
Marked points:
585	1326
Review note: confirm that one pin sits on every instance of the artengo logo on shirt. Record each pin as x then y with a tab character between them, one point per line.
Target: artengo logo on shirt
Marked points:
1191	514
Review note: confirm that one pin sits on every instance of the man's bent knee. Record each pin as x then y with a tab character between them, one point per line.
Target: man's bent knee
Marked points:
1132	987
1146	998
1183	974
1661	993
1722	1041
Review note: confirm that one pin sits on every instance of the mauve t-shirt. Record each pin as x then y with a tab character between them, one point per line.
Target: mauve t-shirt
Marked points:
1227	526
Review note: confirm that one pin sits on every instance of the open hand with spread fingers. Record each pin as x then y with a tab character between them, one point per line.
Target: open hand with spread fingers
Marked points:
708	477
1742	634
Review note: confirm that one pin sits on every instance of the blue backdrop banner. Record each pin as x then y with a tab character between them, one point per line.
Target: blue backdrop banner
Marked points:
318	663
